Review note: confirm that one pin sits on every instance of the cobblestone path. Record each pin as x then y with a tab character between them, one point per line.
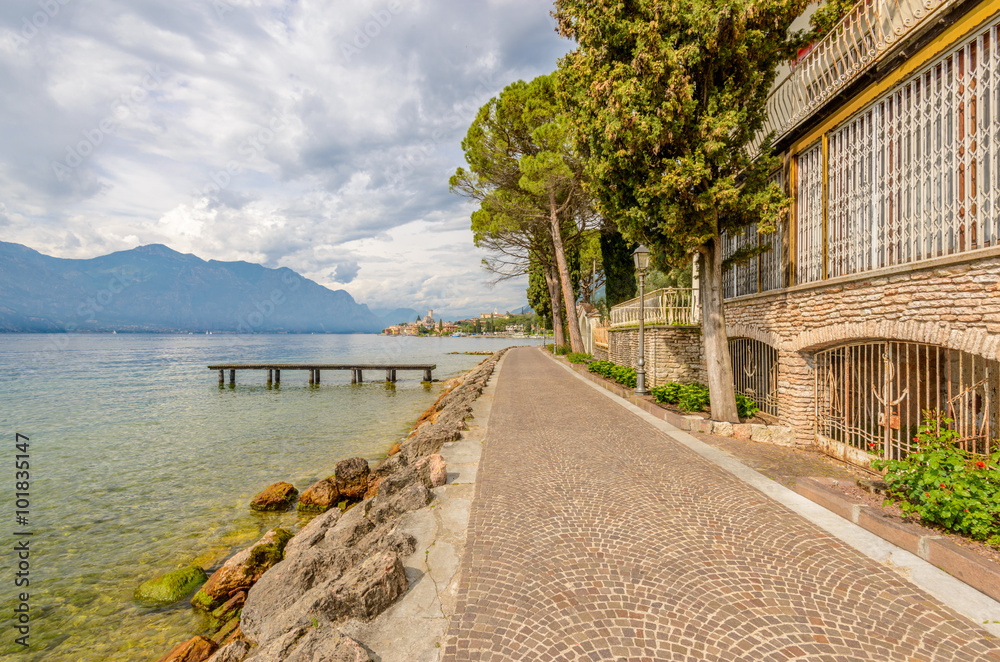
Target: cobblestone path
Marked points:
594	536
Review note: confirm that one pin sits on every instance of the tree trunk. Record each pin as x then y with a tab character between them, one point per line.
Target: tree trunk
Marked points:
575	339
552	282
713	330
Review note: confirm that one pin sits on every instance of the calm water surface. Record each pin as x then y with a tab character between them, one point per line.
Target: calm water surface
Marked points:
141	464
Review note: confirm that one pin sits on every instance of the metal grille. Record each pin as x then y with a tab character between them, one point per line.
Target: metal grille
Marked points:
915	175
809	215
755	372
763	272
740	278
876	394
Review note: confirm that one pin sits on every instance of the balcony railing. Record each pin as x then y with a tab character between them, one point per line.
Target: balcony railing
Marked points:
667	306
856	43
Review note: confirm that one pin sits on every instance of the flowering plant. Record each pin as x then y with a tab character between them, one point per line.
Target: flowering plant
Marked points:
946	485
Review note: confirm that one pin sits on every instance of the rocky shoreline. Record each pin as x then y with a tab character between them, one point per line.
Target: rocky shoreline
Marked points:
285	597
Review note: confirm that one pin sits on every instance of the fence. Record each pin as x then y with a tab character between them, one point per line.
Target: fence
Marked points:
672	306
856	43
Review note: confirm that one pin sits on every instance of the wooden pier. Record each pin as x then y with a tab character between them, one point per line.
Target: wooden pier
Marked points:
357	370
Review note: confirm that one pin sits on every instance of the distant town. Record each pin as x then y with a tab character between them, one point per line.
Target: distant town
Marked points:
495	325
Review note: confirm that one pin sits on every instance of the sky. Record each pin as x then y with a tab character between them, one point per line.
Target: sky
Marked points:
317	135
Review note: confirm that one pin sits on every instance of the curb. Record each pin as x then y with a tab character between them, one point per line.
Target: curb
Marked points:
769	434
979	573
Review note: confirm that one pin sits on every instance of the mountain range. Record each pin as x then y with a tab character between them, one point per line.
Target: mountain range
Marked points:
156	289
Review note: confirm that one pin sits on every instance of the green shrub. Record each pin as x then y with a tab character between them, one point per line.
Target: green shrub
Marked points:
669	393
620	373
693	397
745	407
563	350
578	357
944	484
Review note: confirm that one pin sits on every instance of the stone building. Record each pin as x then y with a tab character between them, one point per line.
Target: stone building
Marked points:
879	297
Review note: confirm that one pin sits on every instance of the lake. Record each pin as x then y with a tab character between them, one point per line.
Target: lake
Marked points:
140	463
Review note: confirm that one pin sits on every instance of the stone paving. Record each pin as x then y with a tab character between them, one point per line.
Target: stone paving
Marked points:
594	536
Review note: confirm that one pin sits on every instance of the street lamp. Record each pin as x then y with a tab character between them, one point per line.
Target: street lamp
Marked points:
641	257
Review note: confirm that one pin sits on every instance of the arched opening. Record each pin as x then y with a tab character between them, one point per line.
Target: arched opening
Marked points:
874	395
755	372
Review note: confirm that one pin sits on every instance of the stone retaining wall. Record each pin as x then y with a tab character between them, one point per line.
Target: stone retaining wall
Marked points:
673	353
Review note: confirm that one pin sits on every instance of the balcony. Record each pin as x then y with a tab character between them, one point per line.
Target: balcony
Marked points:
669	306
854	45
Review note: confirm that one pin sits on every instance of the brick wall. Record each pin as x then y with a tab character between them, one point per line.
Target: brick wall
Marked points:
673	353
945	302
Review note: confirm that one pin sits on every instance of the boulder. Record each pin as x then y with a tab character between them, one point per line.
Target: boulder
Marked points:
320	497
242	571
279	496
351	477
364	591
195	649
310	644
390	507
172	586
312	533
236	651
230	607
433	470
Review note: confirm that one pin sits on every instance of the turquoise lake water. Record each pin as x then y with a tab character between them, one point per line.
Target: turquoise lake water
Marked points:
141	464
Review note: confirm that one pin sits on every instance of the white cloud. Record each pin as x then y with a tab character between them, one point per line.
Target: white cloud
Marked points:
348	185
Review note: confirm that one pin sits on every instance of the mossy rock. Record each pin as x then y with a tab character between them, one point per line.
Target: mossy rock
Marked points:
279	496
172	586
263	557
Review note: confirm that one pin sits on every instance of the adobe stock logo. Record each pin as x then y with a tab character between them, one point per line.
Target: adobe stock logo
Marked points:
30	27
363	35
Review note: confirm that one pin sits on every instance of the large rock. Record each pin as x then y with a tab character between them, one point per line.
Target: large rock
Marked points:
243	570
433	470
172	586
312	644
320	497
264	617
364	591
279	496
312	533
351	477
236	651
390	507
195	649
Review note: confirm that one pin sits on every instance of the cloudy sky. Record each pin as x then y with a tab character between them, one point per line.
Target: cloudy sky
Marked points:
317	135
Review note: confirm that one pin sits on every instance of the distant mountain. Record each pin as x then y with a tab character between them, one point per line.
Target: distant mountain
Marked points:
155	288
398	316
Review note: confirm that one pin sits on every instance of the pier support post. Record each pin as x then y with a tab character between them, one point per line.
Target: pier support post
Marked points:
312	376
427	375
222	378
360	376
394	376
277	376
270	376
354	376
232	377
317	376
388	375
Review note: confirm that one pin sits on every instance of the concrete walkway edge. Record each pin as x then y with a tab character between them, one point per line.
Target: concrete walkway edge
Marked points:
978	607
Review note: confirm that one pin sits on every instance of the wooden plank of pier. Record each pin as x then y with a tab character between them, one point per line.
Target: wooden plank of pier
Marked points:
314	369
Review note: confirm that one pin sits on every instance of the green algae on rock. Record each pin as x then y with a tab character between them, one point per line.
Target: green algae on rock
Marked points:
279	496
172	586
243	570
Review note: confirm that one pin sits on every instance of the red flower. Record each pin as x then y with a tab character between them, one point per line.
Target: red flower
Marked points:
942	486
927	493
980	464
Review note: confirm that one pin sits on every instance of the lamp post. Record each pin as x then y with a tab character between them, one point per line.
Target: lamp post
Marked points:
641	257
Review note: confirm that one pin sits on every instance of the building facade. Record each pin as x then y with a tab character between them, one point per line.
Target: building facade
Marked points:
878	300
